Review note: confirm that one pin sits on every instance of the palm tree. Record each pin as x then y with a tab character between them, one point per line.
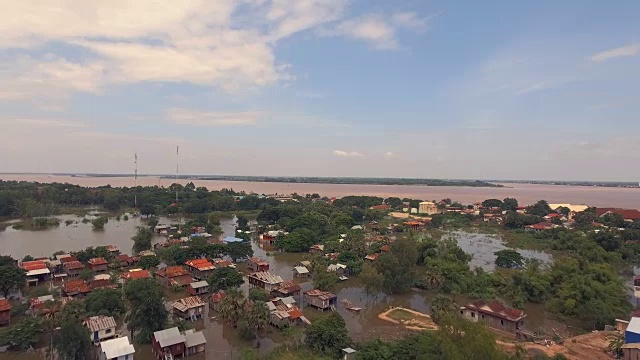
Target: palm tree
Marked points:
257	317
615	345
232	306
434	279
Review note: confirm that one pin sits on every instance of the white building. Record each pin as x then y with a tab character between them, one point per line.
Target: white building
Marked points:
428	207
101	327
116	349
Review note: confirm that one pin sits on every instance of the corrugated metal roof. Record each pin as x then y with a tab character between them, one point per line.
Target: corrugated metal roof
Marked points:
117	347
194	338
97	323
188	303
301	270
199	284
168	337
267	277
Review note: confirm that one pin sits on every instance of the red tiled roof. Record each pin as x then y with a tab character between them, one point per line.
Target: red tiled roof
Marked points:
76	286
74	265
541	226
124	258
33	265
172	271
258	261
295	314
102	284
68	259
385	248
5	305
288	287
134	275
380	207
200	264
372	257
495	308
181	280
98	261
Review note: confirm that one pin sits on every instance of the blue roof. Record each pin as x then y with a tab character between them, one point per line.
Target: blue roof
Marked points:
230	239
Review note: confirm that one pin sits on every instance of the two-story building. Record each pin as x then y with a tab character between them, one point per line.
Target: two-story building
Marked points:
191	308
257	265
37	271
73	268
116	349
75	288
98	264
322	300
171	344
174	276
200	268
101	328
198	288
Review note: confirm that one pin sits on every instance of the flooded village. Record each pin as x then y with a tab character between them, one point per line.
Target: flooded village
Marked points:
287	277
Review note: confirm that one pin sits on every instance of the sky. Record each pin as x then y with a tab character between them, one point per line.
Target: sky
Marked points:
416	88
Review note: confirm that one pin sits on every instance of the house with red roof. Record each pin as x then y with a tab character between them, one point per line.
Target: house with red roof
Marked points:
541	226
98	264
135	274
381	207
495	315
216	299
75	288
174	276
36	271
73	268
200	268
627	214
256	264
5	312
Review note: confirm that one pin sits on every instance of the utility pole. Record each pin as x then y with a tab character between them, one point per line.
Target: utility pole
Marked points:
135	181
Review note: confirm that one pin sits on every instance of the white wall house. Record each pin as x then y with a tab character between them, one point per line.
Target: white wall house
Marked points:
116	349
101	327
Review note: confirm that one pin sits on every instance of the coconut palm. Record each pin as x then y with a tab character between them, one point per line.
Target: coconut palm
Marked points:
434	279
615	345
232	306
257	317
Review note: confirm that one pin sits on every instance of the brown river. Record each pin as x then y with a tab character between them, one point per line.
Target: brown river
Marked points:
525	193
222	341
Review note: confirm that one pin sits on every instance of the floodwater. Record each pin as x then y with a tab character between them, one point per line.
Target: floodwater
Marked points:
525	193
222	340
483	246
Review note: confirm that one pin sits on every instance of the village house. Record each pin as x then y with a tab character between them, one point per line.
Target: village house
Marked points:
200	268
372	257
37	271
116	349
264	280
381	207
102	281
573	209
495	315
214	302
75	288
170	344
541	226
257	265
124	260
174	276
220	263
627	214
36	305
301	272
339	269
284	312
98	264
134	274
286	288
5	312
428	208
73	268
198	288
113	250
317	249
191	308
101	328
553	216
322	300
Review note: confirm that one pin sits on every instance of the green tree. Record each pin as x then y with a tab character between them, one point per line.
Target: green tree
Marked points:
398	266
328	335
508	259
323	279
258	318
142	239
106	302
148	209
233	306
72	341
300	240
22	335
394	202
584	219
492	203
509	204
148	262
99	222
6	260
224	278
148	313
541	208
258	295
442	306
239	250
372	280
11	277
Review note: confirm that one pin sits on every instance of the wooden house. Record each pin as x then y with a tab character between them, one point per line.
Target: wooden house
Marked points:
75	288
286	288
257	265
5	312
98	264
73	268
216	299
116	349
495	315
200	268
113	250
198	288
134	274
171	344
190	308
322	300
317	249
36	271
174	276
284	312
301	272
101	328
264	280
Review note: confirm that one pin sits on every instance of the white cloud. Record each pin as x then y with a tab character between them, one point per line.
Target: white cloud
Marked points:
389	155
410	20
342	153
213	118
629	50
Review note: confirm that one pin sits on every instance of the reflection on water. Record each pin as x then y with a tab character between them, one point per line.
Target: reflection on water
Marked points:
483	247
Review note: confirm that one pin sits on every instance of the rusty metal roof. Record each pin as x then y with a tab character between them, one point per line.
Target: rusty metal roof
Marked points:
188	303
97	323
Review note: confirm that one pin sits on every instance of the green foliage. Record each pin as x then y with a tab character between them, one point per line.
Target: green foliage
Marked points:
11	277
257	317
142	239
513	220
509	204
239	250
508	259
23	334
398	266
6	260
362	202
258	295
394	202
372	280
323	279
86	274
72	341
353	262
233	307
299	240
541	208
106	302
492	203
148	262
584	219
328	335
99	222
148	313
442	307
224	278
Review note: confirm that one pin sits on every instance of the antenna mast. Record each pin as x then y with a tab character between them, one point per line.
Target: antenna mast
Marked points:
135	181
177	169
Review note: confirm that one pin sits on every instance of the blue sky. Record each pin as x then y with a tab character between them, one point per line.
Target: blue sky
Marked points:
455	89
